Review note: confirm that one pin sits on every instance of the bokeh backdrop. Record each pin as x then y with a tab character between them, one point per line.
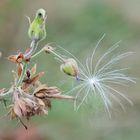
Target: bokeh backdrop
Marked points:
76	25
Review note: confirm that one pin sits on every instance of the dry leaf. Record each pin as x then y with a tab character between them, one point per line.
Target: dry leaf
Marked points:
16	58
43	90
56	96
27	82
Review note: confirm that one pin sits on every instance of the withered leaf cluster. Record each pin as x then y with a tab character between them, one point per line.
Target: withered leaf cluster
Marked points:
31	97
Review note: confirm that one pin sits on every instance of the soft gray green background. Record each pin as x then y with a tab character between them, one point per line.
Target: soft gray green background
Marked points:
75	25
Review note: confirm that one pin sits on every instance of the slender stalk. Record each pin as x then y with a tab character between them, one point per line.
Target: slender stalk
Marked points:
24	64
51	51
54	53
34	45
22	74
33	48
37	54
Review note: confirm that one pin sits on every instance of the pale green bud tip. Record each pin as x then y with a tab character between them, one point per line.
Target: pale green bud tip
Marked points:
70	67
41	13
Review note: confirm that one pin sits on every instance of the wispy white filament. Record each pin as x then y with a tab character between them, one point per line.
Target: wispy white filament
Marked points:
101	77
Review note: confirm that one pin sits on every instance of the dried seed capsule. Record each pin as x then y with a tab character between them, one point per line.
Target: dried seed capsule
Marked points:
70	67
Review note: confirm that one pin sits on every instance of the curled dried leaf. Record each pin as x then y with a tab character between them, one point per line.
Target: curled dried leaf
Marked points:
27	82
56	96
16	58
43	90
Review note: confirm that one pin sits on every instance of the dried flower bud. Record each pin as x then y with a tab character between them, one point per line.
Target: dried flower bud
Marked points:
70	67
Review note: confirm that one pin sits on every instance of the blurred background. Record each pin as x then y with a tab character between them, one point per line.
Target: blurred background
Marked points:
76	25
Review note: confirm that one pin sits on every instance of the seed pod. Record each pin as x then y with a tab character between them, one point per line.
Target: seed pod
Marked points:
70	67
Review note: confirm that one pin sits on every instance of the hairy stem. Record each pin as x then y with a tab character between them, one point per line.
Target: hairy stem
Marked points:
57	55
33	46
37	54
22	74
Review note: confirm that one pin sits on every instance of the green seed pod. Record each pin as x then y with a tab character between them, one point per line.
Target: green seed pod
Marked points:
70	67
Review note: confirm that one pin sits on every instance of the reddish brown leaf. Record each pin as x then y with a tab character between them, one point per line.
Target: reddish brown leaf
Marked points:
40	95
20	57
16	58
36	77
27	82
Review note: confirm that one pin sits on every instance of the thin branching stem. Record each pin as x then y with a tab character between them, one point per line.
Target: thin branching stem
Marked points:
37	54
57	55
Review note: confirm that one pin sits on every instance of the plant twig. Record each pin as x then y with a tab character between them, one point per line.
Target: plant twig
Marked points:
37	54
22	74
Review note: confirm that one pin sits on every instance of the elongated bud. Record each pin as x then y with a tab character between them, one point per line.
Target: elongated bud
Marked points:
70	67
